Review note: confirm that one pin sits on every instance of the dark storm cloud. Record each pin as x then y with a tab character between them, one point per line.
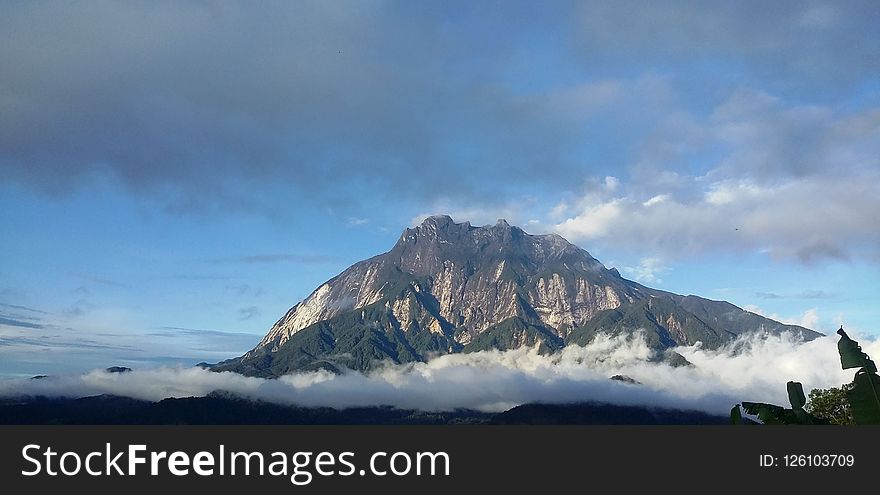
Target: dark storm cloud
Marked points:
793	42
197	102
218	106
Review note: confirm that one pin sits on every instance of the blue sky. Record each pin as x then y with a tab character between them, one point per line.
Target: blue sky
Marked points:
176	176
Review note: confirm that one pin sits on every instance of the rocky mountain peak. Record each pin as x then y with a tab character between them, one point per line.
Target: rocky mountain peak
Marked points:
434	228
451	287
436	222
439	240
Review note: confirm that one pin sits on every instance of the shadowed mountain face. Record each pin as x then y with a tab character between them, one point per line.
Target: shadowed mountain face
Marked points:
450	287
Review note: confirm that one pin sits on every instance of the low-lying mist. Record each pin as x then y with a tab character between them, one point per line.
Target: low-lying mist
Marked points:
753	368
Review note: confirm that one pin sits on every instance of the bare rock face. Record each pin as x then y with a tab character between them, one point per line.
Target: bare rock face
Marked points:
479	276
450	287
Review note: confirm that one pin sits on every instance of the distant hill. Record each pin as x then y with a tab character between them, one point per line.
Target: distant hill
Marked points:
225	409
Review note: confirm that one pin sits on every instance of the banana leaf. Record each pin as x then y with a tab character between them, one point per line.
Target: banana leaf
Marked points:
851	354
798	401
796	395
864	397
771	414
736	417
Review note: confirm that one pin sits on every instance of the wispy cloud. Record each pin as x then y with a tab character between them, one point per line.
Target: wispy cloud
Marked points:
793	182
356	222
242	290
99	280
55	347
201	277
24	308
170	331
248	313
648	271
808	319
60	342
275	258
806	294
768	295
18	323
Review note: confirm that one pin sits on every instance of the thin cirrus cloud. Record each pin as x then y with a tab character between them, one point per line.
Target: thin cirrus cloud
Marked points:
249	312
16	315
275	258
13	322
24	308
55	349
806	294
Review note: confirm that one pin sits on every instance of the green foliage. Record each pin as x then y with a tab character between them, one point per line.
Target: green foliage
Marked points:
736	417
655	316
863	397
851	354
864	394
831	404
771	414
857	402
796	395
360	340
798	401
513	332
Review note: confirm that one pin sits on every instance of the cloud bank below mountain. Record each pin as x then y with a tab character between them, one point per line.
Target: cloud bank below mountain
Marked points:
751	368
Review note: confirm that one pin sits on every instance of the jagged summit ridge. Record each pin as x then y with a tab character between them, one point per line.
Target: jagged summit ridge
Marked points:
439	239
452	287
477	275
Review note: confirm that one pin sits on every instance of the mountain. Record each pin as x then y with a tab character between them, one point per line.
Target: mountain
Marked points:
449	287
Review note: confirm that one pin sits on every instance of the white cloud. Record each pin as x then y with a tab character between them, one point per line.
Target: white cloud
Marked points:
612	183
514	212
793	181
801	218
594	220
727	192
808	319
656	200
648	270
356	222
559	211
753	369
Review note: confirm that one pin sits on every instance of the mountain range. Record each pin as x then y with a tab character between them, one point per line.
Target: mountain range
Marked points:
449	287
